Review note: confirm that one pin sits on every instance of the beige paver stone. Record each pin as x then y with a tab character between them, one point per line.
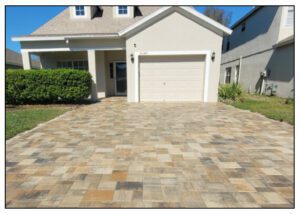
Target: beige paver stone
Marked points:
115	154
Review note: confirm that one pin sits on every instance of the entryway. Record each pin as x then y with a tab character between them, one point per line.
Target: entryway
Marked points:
120	78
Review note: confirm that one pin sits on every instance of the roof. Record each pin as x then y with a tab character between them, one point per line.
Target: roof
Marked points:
246	16
106	24
286	41
62	27
14	58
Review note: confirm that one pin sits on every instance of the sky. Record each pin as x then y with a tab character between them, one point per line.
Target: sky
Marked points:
23	20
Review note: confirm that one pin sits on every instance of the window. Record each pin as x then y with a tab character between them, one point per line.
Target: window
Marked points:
79	11
227	75
243	27
228	46
237	74
290	17
79	65
122	10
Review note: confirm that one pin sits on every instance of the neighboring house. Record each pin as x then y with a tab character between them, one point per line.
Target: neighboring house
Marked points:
259	54
14	60
146	53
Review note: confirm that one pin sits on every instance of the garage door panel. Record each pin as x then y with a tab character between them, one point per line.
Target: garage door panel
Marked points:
167	78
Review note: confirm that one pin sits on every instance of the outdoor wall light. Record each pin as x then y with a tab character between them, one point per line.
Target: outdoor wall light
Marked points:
132	58
213	56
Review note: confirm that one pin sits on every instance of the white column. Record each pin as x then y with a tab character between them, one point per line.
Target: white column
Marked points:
93	72
26	60
101	80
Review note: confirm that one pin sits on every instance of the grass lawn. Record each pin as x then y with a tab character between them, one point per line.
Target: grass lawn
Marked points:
21	119
271	107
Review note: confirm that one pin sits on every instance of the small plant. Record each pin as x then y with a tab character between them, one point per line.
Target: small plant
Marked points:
230	92
289	100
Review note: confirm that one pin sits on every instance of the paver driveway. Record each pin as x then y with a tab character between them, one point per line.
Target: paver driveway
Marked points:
116	154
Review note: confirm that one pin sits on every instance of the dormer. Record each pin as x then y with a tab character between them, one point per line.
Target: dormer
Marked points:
123	11
82	12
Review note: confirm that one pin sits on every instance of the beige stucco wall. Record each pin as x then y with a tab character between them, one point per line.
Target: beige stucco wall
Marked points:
175	33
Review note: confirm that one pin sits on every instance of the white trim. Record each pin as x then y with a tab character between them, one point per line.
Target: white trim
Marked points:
142	21
61	38
72	49
187	9
80	16
36	38
115	77
207	54
207	19
122	15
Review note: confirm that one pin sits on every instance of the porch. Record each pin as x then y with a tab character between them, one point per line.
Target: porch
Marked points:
108	68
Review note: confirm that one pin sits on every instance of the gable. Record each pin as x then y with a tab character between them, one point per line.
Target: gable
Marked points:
188	12
176	31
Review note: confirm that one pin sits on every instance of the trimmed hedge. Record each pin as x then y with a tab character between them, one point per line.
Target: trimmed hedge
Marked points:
46	86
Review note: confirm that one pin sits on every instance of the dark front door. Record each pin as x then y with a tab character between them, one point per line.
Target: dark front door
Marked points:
120	78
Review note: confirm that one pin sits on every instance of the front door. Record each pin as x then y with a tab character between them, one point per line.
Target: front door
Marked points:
120	78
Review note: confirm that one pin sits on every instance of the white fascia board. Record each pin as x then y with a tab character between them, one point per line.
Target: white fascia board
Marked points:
36	38
107	36
61	38
144	20
207	19
187	9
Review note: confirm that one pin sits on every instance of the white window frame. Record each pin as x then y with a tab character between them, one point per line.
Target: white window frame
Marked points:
207	54
286	16
72	62
80	16
122	15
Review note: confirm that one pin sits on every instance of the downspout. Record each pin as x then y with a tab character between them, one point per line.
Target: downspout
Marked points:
240	71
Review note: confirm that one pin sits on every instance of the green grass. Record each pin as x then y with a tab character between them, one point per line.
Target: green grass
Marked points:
21	119
271	107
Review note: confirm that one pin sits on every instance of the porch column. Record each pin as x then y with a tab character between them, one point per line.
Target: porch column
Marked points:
101	80
93	72
26	60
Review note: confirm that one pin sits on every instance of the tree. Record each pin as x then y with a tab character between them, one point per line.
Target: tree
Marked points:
218	15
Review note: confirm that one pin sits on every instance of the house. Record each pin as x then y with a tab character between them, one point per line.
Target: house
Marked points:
146	53
14	60
259	54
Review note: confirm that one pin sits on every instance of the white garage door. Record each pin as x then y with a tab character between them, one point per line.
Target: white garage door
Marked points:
172	78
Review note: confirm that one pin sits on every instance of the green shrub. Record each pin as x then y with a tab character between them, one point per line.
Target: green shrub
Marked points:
230	92
46	86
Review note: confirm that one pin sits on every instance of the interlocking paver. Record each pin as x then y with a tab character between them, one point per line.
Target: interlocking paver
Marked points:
119	154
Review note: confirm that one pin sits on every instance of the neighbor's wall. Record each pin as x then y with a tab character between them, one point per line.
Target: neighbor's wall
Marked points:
175	33
281	65
255	47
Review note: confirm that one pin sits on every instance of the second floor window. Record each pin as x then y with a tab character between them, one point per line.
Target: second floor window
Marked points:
122	10
79	11
290	17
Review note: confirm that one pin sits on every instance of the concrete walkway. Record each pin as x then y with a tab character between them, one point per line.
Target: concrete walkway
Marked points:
119	154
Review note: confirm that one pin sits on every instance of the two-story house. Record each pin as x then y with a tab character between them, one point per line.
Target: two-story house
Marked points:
259	54
146	53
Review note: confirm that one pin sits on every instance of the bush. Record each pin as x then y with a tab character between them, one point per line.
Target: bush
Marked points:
230	92
46	86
